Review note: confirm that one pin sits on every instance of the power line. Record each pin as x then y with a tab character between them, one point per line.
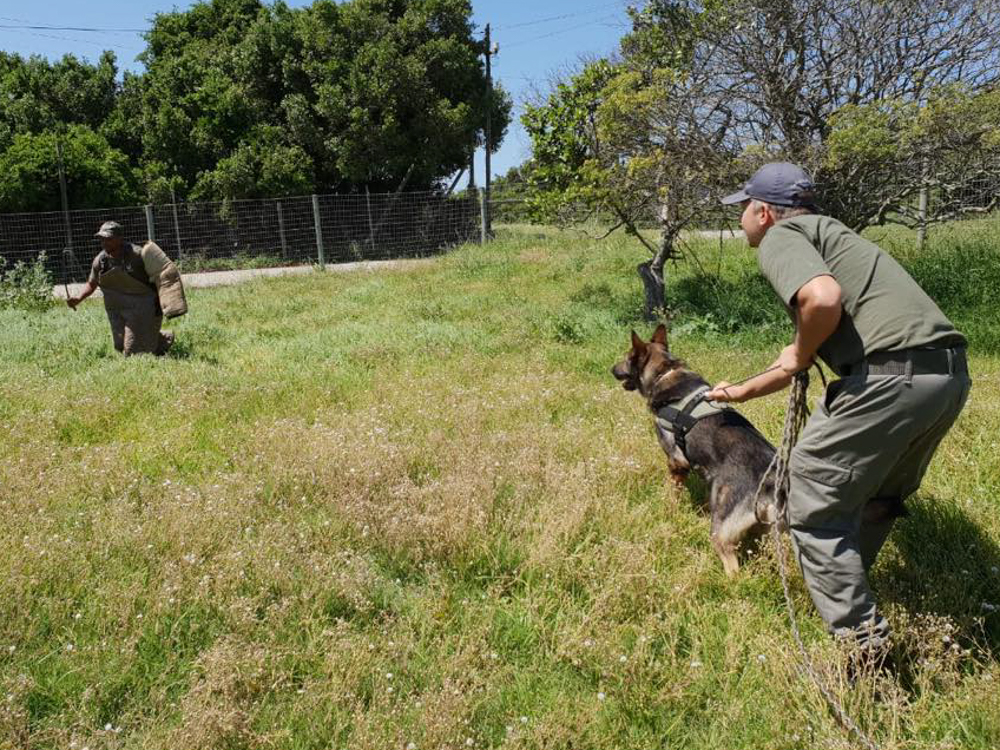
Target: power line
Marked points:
561	31
103	45
87	29
577	14
25	25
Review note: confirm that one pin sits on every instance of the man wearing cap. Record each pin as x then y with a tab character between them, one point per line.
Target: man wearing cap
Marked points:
903	381
139	284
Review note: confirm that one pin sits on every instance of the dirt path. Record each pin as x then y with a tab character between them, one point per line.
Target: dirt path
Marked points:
225	278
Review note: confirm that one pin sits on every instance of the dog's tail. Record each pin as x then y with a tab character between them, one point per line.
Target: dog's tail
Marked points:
770	506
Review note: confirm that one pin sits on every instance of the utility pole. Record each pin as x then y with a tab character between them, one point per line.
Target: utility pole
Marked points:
472	167
63	194
490	51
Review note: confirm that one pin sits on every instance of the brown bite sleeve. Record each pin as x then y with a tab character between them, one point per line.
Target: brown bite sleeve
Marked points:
171	291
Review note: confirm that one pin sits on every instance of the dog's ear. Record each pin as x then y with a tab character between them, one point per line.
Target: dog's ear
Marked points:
660	336
638	345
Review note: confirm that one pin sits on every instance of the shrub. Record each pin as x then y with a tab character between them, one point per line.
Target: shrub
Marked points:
703	304
26	286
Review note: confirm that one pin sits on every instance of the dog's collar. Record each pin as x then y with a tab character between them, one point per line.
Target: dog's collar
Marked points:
680	419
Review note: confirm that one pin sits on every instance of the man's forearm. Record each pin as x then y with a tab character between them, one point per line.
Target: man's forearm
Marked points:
765	384
769	381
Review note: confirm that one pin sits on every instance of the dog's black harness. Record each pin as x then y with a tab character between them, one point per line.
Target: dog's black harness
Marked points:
680	420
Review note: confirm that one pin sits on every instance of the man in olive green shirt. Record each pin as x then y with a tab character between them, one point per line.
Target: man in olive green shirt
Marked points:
139	284
904	380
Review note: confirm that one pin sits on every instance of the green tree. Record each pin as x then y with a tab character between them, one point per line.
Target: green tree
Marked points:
245	99
262	165
409	98
97	175
947	147
638	141
793	72
566	148
194	102
880	99
363	93
36	95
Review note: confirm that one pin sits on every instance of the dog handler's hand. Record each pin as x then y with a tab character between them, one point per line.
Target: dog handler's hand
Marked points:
792	361
725	392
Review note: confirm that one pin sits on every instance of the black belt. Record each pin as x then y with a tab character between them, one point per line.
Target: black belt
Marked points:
911	362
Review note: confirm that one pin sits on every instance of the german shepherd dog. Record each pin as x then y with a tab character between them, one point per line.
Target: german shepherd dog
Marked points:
724	449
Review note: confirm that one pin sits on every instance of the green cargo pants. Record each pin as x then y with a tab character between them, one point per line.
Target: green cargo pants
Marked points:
135	323
872	436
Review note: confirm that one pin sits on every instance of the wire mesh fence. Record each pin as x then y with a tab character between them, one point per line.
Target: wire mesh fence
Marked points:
964	190
253	233
324	229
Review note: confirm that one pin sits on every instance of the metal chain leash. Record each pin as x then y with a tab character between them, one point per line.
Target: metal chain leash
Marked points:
795	419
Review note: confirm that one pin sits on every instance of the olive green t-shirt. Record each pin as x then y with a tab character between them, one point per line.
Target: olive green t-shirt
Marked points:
884	308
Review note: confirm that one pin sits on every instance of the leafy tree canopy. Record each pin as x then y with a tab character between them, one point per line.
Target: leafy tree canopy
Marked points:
880	99
36	96
97	175
364	92
244	99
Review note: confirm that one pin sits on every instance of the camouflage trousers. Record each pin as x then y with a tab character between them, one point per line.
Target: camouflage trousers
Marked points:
872	436
135	323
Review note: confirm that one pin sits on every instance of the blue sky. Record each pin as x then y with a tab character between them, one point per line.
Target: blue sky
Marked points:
537	40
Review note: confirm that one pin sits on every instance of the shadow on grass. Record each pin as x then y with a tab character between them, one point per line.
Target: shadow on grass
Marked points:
715	305
944	565
182	349
626	308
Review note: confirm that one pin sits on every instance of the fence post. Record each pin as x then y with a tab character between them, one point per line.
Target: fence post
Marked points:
371	225
922	218
281	231
150	226
319	231
482	216
177	225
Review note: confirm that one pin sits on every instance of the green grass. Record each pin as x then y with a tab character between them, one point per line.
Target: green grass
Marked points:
372	509
195	263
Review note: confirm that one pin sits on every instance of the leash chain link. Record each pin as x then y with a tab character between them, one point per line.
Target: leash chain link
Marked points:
795	418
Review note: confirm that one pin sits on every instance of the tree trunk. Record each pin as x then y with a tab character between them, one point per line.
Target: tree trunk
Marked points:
392	202
652	283
651	272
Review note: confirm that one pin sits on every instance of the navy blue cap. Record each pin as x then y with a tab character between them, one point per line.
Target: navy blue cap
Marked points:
778	183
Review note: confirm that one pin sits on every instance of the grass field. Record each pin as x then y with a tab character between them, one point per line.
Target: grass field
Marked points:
412	509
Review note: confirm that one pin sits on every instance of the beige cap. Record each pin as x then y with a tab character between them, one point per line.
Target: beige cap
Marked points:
110	229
